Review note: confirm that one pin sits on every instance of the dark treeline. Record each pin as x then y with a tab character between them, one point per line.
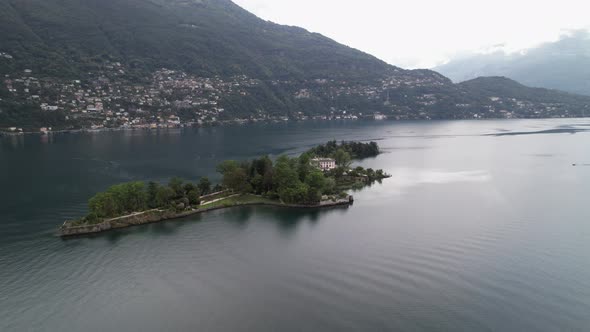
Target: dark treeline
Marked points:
296	180
292	180
356	150
132	197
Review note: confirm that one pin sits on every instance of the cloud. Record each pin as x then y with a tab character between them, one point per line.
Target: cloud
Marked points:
582	34
423	33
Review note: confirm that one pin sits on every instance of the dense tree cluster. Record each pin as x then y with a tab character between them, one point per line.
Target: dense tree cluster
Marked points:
356	150
292	180
132	197
296	180
118	199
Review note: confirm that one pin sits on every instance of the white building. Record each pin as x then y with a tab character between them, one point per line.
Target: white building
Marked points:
325	164
379	116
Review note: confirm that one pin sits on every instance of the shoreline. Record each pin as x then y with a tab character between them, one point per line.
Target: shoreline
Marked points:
156	216
187	125
4	133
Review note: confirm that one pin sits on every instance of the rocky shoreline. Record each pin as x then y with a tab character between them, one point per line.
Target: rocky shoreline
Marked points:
154	216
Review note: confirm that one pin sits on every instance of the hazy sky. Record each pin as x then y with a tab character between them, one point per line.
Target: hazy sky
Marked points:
424	33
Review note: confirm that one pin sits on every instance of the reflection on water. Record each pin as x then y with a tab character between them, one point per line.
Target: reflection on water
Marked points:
472	232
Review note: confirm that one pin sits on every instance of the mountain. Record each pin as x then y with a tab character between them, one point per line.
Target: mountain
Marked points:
154	63
205	37
513	95
562	65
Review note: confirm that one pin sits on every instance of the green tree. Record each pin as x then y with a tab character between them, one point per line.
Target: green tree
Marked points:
313	196
261	166
337	172
165	196
103	205
258	184
294	195
304	166
236	179
176	185
316	180
285	174
152	194
330	186
130	197
342	158
119	199
188	187
136	197
287	182
227	166
268	179
204	186
193	197
264	168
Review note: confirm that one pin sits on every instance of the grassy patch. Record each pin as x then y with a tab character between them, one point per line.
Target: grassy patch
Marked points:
238	200
216	196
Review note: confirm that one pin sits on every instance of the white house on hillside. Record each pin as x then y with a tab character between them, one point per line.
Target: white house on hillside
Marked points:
325	164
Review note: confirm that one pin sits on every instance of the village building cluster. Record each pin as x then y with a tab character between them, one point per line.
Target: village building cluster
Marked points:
173	98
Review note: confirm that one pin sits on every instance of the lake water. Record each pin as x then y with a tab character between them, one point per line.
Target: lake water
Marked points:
484	226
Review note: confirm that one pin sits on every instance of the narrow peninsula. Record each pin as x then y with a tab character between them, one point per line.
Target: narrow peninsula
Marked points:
318	178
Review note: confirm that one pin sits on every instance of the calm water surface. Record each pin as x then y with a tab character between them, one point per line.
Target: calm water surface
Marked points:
484	226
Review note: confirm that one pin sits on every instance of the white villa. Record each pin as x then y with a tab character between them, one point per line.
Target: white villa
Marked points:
325	164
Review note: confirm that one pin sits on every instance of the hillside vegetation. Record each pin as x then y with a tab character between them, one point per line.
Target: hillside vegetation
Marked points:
159	63
204	37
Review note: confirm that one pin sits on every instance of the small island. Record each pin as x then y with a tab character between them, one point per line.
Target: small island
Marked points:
318	178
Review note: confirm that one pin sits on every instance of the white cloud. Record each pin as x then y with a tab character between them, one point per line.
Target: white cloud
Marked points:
423	33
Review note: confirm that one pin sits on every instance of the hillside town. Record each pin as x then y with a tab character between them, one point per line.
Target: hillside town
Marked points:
173	98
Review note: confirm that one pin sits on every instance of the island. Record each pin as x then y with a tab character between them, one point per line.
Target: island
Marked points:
318	178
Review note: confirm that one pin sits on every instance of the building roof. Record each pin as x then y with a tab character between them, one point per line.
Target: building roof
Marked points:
324	159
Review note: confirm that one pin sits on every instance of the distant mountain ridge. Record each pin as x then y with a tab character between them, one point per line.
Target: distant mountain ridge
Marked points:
562	65
146	63
205	37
